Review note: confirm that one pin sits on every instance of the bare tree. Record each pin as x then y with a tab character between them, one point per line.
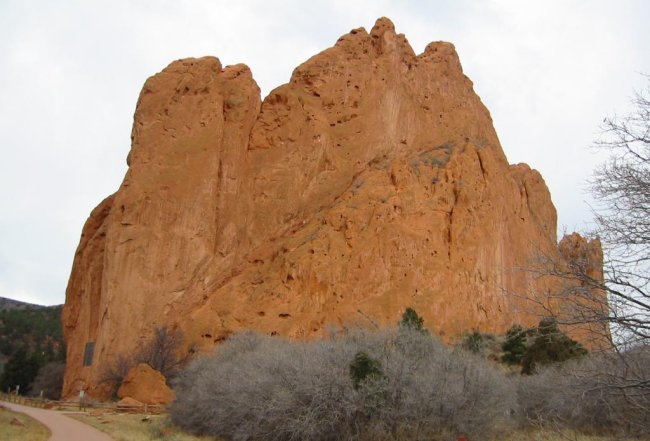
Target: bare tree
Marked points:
114	372
613	302
49	381
162	352
621	187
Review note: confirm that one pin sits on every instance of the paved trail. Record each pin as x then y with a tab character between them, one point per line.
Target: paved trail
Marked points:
63	428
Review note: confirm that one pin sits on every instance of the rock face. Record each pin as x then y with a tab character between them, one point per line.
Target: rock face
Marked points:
371	182
579	301
146	385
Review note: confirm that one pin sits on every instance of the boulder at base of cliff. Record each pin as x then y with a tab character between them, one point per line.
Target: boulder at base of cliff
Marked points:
146	385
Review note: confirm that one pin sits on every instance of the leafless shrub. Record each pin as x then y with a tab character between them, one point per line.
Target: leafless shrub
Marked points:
161	352
602	393
114	373
268	388
49	380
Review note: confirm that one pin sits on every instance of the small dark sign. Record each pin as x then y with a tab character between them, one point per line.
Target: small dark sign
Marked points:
88	353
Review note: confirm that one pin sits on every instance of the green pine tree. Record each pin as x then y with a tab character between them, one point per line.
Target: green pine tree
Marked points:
550	346
411	320
364	368
514	347
474	342
20	370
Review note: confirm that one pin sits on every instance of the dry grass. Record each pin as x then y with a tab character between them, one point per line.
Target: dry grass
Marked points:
551	435
30	430
129	427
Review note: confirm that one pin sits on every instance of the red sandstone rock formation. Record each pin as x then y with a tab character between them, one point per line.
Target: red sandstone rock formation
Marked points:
146	385
371	182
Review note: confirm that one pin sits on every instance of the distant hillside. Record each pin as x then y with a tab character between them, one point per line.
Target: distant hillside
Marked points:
12	305
36	328
31	338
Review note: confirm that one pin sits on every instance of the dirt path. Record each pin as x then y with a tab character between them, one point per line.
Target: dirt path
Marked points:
63	428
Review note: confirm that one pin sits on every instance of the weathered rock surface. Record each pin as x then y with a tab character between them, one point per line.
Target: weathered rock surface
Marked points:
371	182
146	385
131	403
581	299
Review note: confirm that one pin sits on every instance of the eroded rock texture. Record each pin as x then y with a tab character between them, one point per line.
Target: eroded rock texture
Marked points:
371	182
145	385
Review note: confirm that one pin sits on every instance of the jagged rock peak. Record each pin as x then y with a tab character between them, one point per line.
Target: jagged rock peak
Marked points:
373	181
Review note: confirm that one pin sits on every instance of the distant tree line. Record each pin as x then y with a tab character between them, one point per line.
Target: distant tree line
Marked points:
31	343
37	329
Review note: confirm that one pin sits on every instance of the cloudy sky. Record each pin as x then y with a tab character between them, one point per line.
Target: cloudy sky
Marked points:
70	73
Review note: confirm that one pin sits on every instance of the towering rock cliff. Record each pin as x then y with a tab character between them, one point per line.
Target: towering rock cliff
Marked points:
371	182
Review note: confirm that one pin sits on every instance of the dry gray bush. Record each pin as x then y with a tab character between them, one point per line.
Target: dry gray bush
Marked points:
602	393
258	387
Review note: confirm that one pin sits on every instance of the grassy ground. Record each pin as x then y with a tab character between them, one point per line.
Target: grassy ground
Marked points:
128	427
30	430
550	435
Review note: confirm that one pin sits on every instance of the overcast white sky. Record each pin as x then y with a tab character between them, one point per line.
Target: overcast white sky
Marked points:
70	73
